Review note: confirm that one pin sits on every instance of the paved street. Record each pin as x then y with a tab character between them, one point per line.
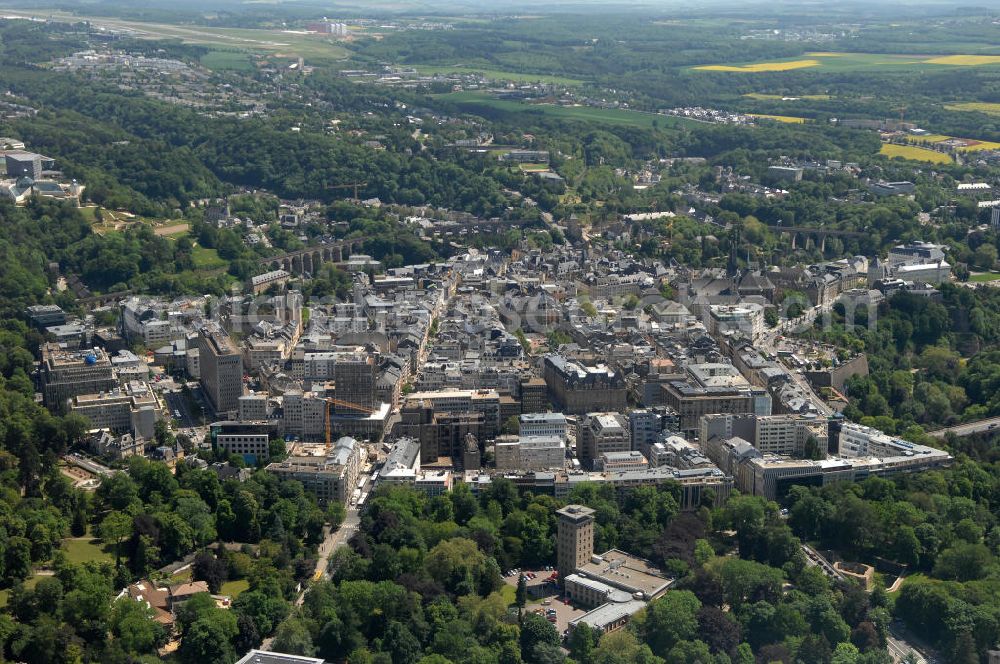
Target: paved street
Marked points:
899	648
337	539
969	428
769	343
331	542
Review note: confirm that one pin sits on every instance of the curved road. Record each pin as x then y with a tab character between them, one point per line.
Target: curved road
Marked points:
969	428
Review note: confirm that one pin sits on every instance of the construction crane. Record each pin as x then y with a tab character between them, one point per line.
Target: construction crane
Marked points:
330	401
355	185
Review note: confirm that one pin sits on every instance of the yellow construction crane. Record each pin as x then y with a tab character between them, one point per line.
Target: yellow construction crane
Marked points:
330	401
355	185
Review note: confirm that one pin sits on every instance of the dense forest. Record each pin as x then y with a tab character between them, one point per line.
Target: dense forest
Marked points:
430	565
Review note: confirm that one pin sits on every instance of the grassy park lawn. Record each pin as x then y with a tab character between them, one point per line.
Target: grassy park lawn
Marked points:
207	259
86	549
30	582
234	588
983	277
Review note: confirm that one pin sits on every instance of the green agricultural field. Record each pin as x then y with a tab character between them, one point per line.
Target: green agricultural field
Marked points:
975	106
497	74
474	101
761	96
825	61
228	60
914	153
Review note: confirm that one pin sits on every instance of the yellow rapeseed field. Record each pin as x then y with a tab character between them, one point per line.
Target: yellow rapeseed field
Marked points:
762	66
913	152
981	145
965	60
938	138
980	106
761	96
779	118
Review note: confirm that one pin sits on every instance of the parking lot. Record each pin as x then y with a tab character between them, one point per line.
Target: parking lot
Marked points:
544	598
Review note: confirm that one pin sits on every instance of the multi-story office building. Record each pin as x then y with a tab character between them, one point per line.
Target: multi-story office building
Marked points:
644	426
46	315
221	368
701	485
486	402
268	657
329	477
23	164
304	415
577	389
770	434
530	453
130	409
600	433
621	461
534	396
694	401
68	373
266	351
251	440
254	408
441	433
916	253
863	452
575	538
355	376
319	367
747	318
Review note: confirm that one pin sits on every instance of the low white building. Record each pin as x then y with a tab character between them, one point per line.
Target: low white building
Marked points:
747	318
543	424
530	453
928	273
